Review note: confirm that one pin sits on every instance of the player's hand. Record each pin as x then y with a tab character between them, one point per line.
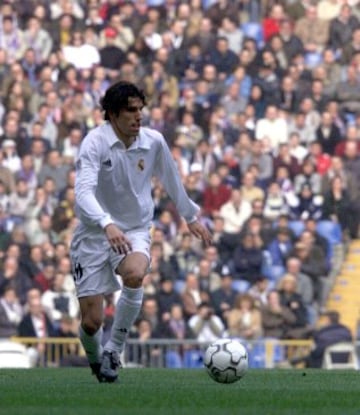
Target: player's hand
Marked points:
117	239
201	232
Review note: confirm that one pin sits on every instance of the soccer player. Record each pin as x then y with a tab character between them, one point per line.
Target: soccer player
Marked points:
114	169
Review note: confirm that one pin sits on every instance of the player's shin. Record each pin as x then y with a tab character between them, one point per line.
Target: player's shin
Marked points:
127	310
92	345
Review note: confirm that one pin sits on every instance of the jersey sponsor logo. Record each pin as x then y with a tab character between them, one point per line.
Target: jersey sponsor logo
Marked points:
107	163
141	164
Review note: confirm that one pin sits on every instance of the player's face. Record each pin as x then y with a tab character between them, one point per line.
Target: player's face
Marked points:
127	122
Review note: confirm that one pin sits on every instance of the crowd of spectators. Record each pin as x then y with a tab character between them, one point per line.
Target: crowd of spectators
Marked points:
258	101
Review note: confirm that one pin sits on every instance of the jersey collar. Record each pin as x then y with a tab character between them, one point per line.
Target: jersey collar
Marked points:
142	141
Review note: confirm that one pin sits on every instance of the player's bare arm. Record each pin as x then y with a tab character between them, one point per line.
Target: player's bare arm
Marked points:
117	239
201	232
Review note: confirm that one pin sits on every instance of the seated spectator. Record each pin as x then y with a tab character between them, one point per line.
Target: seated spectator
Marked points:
339	208
11	312
224	242
27	172
20	200
247	259
166	297
308	176
260	290
314	264
41	230
277	319
304	287
258	225
244	319
273	127
290	298
12	275
211	254
260	158
44	278
55	169
223	298
215	195
156	77
323	241
347	91
175	326
191	295
313	33
330	332
6	176
278	251
164	267
328	133
282	178
297	150
205	325
285	159
188	134
208	278
158	236
80	53
235	212
307	205
58	302
341	27
186	257
204	158
320	159
167	223
223	58
288	93
36	323
337	168
275	203
229	168
232	100
272	20
249	189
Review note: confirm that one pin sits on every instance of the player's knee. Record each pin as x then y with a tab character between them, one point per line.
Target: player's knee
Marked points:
91	324
133	279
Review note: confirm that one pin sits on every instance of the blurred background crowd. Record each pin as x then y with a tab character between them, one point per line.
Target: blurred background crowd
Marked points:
258	101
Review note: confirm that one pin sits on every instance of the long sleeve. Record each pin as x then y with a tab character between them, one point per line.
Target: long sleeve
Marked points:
87	169
167	172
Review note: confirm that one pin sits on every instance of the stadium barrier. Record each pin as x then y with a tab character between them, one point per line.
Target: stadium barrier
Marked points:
161	353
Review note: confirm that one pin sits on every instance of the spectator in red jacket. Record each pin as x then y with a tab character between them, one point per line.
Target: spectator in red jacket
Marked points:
271	23
215	195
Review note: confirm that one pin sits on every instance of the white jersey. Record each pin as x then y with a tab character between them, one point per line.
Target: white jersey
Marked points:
113	183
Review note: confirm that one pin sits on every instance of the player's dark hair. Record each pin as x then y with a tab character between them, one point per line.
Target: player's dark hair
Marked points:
117	96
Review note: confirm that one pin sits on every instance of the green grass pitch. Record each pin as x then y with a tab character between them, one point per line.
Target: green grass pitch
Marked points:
74	391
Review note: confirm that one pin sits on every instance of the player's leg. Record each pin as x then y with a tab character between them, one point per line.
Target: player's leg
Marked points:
93	277
90	332
132	270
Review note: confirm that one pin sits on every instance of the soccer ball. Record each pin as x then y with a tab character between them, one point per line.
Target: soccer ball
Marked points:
226	360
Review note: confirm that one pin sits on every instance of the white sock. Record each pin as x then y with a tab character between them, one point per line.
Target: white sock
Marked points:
127	309
92	345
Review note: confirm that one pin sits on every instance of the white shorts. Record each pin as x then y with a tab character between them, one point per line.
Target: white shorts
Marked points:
94	262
